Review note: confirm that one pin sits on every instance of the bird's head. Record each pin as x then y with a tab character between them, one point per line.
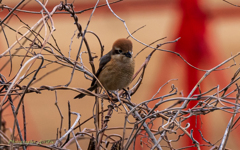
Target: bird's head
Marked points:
122	47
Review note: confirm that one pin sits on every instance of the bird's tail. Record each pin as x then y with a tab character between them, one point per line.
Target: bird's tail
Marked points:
89	89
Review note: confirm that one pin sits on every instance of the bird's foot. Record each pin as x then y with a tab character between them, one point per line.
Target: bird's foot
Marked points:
110	96
127	94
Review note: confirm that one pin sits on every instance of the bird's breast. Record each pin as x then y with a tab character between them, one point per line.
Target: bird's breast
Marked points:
117	73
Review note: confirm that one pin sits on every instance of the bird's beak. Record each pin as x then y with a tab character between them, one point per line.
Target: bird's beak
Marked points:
128	54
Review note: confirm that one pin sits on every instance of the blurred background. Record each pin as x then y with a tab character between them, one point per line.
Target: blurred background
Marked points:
209	34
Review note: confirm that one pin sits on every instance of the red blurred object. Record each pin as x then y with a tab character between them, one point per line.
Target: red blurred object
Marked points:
193	48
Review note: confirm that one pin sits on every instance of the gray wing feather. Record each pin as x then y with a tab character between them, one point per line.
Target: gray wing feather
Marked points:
103	61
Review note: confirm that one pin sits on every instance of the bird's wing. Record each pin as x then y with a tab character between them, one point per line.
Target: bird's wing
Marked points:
103	61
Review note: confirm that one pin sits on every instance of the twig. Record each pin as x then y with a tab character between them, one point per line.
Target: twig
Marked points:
11	12
56	103
10	59
69	124
78	146
227	131
203	77
70	130
83	37
150	134
231	3
136	30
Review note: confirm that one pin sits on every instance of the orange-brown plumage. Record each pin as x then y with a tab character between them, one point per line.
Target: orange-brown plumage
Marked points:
116	68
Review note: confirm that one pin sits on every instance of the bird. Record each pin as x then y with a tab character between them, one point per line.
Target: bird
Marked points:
116	68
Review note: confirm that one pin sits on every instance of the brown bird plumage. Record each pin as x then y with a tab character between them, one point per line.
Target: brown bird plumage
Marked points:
116	68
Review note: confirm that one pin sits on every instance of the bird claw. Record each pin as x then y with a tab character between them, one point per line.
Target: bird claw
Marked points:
110	94
128	96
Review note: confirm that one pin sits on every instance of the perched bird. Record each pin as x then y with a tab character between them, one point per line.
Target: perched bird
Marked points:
116	68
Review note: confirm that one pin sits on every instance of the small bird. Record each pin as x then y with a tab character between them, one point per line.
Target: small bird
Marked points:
116	68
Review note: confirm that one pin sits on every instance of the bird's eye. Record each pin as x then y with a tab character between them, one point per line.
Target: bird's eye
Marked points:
118	51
